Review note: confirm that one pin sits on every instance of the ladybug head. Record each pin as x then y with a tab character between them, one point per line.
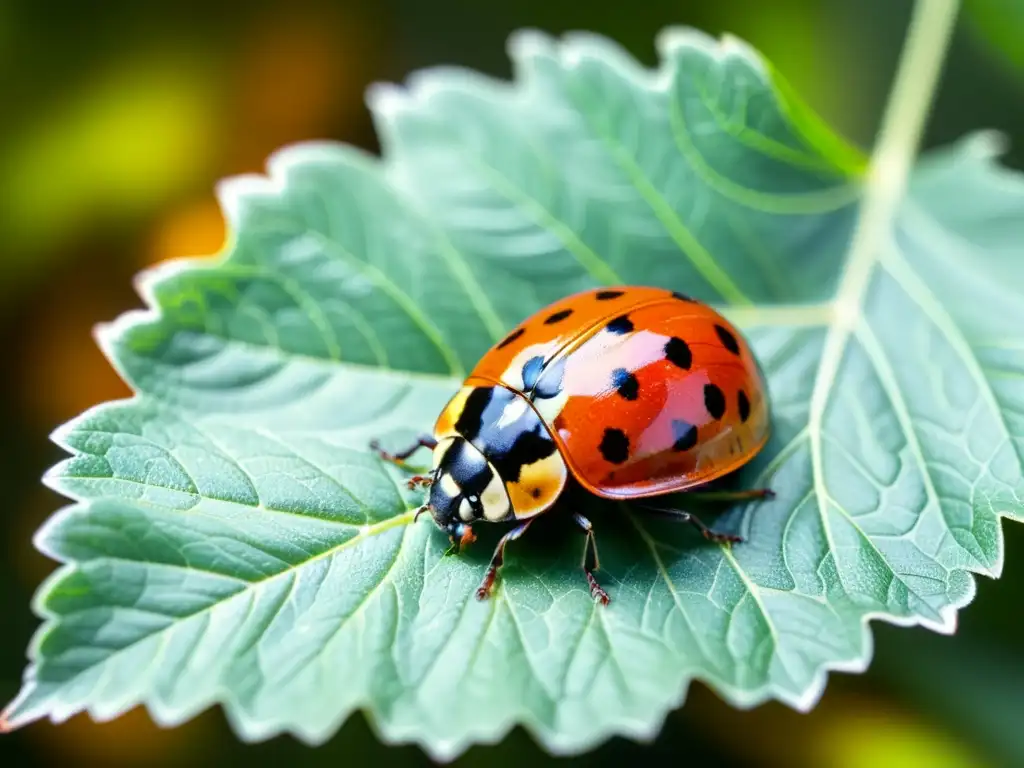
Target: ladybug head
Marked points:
464	488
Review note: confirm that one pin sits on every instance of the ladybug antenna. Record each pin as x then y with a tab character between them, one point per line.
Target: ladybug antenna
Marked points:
420	511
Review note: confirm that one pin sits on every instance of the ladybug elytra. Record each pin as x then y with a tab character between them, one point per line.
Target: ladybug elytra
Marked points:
626	392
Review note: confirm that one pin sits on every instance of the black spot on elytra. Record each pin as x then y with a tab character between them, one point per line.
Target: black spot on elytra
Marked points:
511	337
681	296
678	353
744	405
728	340
621	324
531	370
685	435
528	448
606	295
625	384
535	493
557	317
614	445
714	401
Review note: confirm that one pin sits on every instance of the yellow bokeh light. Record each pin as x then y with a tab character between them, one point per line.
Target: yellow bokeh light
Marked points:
128	140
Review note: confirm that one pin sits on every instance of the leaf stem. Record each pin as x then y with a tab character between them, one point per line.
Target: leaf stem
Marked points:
910	100
909	104
903	122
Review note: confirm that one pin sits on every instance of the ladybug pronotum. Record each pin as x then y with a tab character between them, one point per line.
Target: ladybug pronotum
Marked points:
626	392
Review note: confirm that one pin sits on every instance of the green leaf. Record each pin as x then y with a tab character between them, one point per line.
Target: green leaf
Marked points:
234	541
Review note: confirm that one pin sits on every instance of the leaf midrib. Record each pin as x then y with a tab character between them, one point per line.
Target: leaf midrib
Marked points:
885	188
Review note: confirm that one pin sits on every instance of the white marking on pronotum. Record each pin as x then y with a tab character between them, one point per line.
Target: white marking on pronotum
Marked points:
449	486
512	412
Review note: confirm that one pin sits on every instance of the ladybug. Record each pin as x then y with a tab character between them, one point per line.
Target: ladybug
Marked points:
625	392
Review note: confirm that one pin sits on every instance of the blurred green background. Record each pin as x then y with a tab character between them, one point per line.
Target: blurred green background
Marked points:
118	118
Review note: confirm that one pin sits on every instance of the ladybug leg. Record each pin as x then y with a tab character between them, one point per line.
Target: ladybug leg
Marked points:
718	538
423	441
484	591
696	522
416	480
590	561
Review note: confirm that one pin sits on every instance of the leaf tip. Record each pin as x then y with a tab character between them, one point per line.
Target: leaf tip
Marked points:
527	43
9	722
386	100
59	436
671	40
987	144
105	334
730	45
231	191
108	336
